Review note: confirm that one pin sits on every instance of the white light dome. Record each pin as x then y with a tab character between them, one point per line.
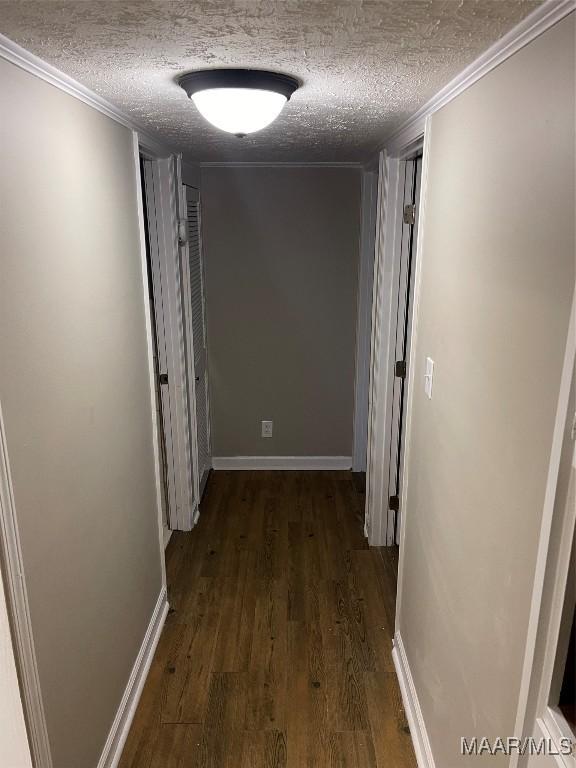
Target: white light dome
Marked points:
239	110
239	101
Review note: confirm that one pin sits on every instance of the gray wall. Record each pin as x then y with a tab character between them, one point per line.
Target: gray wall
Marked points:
281	255
75	396
497	280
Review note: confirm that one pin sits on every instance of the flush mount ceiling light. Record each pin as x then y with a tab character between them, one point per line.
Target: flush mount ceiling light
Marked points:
238	101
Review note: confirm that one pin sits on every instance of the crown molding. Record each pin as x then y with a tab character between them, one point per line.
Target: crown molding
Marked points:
29	62
541	19
335	164
537	22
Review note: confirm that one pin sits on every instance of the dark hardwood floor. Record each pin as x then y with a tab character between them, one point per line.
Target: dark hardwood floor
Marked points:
277	649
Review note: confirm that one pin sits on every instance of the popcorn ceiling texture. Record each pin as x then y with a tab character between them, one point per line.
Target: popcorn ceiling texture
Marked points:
365	65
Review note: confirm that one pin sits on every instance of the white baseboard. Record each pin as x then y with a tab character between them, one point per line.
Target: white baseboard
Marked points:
123	720
282	462
422	748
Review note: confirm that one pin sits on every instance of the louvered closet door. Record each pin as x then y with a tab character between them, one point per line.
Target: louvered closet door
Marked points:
198	335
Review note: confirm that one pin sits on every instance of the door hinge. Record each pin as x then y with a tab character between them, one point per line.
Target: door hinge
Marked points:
163	378
394	503
409	214
400	369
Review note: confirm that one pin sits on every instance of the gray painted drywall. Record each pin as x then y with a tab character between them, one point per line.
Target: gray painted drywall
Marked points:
281	260
497	280
75	396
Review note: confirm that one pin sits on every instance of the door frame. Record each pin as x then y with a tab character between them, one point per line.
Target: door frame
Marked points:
199	481
12	566
387	266
140	148
403	296
546	609
368	205
187	310
161	176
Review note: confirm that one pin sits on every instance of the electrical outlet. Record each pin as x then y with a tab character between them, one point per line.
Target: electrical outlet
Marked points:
267	428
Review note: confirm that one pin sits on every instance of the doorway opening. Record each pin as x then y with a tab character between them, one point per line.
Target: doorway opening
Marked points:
160	378
194	301
393	310
404	296
176	286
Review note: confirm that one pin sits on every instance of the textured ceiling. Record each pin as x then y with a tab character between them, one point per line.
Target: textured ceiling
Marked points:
365	65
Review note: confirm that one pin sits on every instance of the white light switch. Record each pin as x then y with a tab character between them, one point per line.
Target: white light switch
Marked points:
428	377
267	427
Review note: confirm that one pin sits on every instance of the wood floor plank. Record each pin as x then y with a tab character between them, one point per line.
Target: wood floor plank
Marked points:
388	724
276	652
237	607
267	677
146	724
347	706
307	716
352	749
189	669
303	573
367	582
264	749
344	625
178	746
224	723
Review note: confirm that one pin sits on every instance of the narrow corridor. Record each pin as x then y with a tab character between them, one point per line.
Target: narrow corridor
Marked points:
276	650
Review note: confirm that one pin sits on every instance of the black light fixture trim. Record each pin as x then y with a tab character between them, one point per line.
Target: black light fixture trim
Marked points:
257	79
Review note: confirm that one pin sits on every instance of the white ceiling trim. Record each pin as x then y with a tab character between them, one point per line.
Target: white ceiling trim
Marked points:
14	53
312	164
544	17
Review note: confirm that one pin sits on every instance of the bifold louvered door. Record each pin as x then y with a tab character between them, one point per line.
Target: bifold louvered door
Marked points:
198	312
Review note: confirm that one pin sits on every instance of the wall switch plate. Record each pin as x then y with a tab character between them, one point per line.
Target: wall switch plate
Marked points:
428	377
267	428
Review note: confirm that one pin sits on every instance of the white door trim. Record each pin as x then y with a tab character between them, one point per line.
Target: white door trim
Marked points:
546	528
204	479
378	425
19	610
364	317
158	475
383	349
184	254
14	744
402	285
161	192
200	474
412	362
418	731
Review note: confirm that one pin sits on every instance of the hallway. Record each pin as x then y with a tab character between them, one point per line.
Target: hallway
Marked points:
276	650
